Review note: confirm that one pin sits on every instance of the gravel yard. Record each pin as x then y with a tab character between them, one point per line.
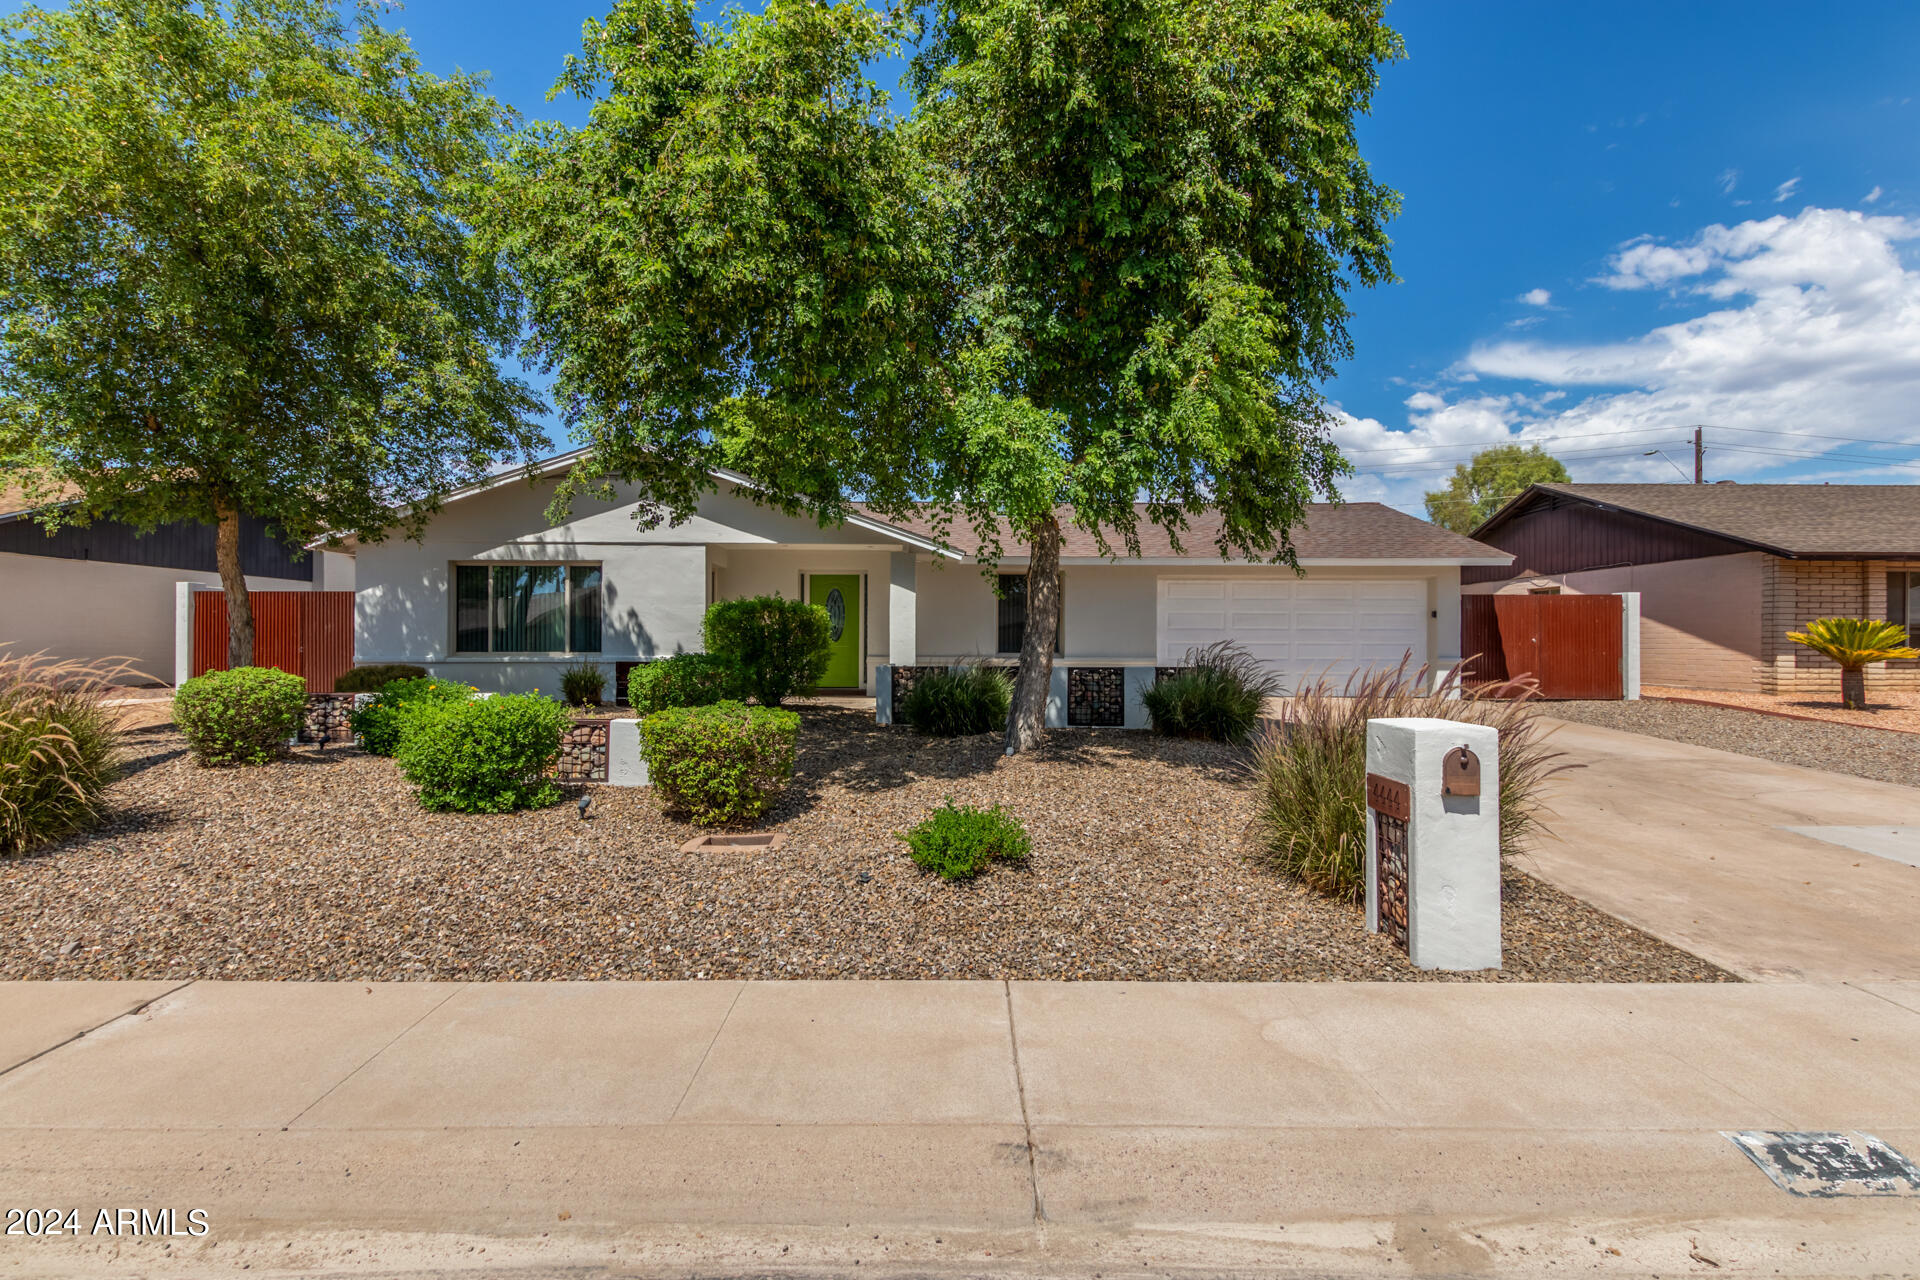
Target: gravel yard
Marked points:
322	867
1899	711
1880	754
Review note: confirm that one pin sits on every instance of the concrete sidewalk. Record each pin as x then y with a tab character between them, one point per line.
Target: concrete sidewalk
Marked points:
1056	1128
1698	847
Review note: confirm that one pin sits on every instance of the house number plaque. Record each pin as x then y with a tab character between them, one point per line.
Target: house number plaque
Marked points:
1389	796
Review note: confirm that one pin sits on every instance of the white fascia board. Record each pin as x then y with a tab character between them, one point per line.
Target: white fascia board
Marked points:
1189	562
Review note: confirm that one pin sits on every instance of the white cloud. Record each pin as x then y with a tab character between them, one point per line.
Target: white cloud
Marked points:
1805	323
1873	196
1785	190
1729	179
1536	297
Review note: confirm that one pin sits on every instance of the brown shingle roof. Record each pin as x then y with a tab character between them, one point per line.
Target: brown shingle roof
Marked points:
14	502
1847	520
1349	531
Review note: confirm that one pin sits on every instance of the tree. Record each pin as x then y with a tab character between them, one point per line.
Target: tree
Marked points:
1163	203
1855	644
234	279
1104	260
1481	487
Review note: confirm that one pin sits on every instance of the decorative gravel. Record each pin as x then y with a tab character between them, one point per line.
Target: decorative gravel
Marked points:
323	867
1880	754
1900	711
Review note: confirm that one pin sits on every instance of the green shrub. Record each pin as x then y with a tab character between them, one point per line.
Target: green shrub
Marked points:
1310	772
961	842
58	748
722	763
1217	694
582	684
684	680
950	704
485	755
374	679
244	716
378	725
778	648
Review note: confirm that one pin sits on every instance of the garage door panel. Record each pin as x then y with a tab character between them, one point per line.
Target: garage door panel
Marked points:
1303	630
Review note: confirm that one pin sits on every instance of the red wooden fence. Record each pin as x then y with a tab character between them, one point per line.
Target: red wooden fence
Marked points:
1570	644
307	633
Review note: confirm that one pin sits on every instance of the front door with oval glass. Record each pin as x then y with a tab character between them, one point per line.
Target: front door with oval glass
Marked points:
839	595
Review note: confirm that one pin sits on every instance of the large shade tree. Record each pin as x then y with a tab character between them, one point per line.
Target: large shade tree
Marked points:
1493	477
1096	276
234	278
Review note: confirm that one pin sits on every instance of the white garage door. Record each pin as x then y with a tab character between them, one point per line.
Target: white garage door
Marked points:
1300	628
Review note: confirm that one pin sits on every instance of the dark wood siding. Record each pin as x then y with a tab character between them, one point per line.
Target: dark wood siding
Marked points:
1566	535
184	545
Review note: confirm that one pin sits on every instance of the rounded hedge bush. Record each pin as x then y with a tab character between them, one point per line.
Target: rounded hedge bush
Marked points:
684	680
483	755
777	647
378	725
951	704
723	763
244	716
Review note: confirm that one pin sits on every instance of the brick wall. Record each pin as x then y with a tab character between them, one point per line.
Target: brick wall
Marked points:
1794	593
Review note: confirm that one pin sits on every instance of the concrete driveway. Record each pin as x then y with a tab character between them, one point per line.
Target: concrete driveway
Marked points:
1764	869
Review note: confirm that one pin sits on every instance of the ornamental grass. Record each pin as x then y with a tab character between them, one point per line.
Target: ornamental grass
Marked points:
59	746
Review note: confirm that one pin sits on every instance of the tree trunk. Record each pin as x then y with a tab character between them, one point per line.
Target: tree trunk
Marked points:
1028	723
234	581
1853	687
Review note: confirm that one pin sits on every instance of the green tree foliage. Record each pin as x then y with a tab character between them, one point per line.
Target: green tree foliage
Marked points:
1481	487
1105	259
233	276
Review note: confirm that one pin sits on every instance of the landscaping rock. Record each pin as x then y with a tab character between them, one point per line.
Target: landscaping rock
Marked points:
324	867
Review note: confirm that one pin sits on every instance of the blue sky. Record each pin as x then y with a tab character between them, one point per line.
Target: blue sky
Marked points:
1620	220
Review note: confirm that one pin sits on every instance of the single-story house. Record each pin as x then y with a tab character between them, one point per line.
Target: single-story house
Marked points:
1724	571
105	590
495	596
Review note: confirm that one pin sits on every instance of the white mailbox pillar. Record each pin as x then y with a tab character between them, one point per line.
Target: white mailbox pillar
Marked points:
1433	840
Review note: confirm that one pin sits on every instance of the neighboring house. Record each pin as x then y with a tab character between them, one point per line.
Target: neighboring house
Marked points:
107	591
1724	571
495	596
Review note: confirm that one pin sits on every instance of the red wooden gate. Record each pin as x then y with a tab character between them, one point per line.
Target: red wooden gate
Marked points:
1570	644
307	633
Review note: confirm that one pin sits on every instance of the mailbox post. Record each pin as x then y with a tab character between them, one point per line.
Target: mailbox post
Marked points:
1433	840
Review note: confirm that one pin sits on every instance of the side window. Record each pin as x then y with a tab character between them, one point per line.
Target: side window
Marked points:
526	608
1012	629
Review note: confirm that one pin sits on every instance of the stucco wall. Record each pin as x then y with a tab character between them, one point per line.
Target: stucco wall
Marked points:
88	610
1700	624
655	583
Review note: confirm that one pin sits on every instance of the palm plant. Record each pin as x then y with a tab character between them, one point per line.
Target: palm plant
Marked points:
1855	643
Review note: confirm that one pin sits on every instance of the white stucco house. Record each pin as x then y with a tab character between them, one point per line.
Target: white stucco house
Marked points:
495	596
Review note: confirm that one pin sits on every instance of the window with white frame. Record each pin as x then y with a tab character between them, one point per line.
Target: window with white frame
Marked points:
526	608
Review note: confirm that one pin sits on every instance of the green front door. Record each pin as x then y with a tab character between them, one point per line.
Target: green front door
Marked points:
839	595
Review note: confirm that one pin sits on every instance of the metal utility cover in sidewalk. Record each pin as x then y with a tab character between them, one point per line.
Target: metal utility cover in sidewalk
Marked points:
1829	1165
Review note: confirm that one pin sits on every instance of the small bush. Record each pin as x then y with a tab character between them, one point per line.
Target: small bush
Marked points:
374	679
951	704
1217	694
485	755
378	725
960	842
58	747
684	680
582	684
778	648
1311	772
243	716
723	763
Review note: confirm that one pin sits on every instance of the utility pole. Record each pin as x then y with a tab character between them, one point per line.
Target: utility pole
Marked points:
1699	468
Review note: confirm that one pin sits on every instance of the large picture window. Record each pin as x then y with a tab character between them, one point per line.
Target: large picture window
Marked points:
526	608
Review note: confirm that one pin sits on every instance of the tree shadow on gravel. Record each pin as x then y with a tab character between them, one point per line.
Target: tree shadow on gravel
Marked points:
846	749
